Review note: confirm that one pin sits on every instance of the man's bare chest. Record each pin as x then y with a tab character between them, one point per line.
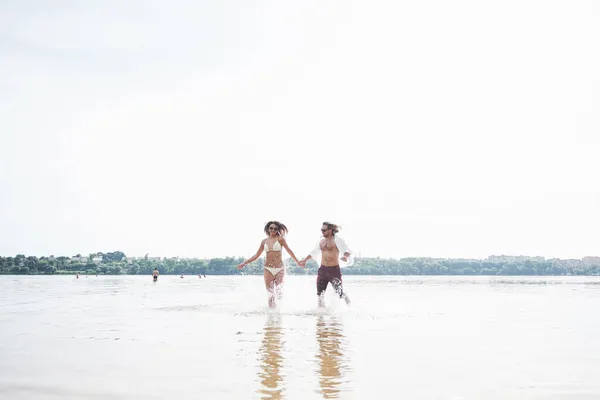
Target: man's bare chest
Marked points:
328	245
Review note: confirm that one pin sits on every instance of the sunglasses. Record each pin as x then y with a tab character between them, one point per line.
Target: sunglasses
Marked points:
325	230
272	229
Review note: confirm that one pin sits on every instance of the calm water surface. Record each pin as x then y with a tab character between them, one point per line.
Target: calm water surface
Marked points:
403	337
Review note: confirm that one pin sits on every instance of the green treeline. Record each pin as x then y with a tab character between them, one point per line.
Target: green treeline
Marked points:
115	263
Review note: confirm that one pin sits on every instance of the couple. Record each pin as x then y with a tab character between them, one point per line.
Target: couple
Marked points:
326	253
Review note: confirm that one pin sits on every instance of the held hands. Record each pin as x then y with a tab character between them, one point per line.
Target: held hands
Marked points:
301	263
344	258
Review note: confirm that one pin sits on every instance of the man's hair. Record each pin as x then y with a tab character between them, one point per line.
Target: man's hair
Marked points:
282	230
334	228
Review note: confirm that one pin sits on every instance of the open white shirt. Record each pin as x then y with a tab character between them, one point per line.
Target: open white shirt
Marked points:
342	247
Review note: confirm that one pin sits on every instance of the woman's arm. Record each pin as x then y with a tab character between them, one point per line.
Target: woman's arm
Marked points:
283	242
302	262
254	257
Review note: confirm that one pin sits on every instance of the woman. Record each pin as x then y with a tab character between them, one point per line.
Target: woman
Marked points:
272	245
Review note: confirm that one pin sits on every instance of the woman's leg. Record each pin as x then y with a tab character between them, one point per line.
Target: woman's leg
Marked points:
270	285
279	283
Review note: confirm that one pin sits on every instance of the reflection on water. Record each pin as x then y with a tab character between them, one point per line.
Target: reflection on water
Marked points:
68	339
330	357
271	360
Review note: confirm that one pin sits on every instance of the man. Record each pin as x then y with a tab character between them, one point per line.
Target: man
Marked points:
327	254
155	274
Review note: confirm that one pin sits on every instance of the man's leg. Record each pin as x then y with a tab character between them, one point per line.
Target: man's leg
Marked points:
338	286
336	282
322	281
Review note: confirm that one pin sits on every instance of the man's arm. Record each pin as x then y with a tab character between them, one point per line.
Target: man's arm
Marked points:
315	252
302	262
343	247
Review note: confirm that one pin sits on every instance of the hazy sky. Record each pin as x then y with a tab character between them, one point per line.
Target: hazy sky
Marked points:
425	128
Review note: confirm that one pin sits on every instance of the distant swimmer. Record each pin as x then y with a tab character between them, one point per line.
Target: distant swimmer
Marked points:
77	276
199	276
181	276
273	271
327	254
204	276
155	274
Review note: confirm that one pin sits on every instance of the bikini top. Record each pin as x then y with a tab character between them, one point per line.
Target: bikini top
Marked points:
276	246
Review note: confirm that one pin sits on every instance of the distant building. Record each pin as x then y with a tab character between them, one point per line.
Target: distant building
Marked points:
589	261
570	263
504	258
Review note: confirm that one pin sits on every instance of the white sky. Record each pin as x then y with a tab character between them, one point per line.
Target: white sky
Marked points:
425	128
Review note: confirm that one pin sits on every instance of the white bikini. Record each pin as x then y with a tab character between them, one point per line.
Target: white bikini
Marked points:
276	247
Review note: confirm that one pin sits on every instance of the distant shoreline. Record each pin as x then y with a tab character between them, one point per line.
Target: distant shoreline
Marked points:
345	274
116	263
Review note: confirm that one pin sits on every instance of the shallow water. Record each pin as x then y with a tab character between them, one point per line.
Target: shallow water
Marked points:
403	337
